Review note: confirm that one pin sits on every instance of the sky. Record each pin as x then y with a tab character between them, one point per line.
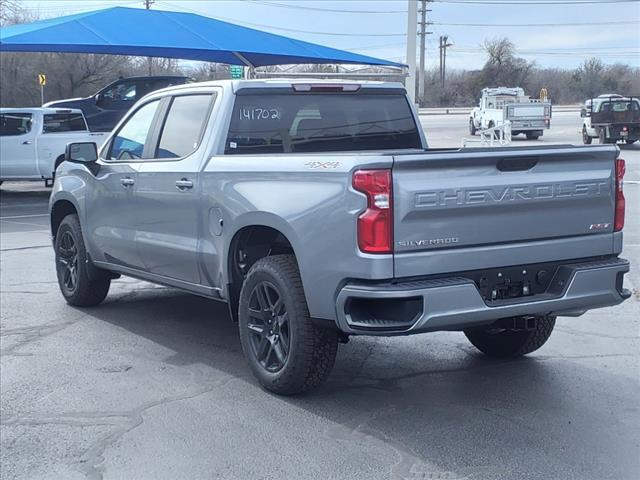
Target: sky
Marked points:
378	27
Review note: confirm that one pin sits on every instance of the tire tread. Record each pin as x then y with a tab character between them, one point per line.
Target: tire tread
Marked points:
315	357
92	287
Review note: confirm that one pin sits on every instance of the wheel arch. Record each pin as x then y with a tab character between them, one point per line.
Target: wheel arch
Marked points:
60	208
252	240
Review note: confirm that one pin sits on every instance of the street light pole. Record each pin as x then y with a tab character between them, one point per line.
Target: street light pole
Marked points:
412	33
147	5
423	48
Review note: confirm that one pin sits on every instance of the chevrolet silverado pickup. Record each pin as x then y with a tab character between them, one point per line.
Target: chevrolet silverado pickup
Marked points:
316	210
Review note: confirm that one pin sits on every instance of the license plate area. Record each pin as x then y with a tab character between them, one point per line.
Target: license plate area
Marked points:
506	283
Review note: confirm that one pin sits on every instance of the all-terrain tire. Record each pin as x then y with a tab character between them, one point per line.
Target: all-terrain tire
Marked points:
602	139
91	284
511	343
312	349
472	127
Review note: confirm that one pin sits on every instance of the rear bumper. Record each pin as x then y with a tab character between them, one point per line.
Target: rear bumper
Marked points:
529	125
455	303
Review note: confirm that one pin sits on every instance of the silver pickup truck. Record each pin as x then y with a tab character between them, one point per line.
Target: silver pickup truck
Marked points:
316	211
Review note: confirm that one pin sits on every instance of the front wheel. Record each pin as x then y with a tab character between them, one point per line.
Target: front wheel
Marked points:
472	127
506	340
81	284
286	351
586	139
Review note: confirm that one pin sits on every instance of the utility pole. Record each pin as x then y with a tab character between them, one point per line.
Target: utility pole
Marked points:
444	44
423	46
412	30
147	5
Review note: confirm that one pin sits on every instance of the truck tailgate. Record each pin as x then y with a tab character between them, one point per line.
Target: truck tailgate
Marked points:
527	110
480	200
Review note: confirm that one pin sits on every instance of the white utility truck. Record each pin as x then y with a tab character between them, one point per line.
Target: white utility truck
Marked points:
33	141
499	105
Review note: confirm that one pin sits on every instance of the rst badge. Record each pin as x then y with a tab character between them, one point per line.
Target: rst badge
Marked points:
599	226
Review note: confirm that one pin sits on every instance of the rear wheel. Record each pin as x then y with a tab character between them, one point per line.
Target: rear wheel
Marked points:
505	340
532	135
286	351
472	127
586	139
602	137
80	282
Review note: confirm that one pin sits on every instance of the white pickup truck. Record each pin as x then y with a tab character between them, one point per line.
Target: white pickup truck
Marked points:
33	141
498	105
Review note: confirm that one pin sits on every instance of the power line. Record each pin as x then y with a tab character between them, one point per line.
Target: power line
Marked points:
344	34
262	25
526	25
318	9
535	2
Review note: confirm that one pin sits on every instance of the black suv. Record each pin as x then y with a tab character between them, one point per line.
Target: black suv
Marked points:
105	108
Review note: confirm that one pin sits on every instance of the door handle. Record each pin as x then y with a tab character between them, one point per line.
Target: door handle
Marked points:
184	184
27	142
127	182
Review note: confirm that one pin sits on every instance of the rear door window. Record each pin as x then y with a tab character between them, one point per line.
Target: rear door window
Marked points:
184	125
15	123
322	122
64	122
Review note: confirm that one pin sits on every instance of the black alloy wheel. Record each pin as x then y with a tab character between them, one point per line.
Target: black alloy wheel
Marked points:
287	351
68	261
81	283
268	327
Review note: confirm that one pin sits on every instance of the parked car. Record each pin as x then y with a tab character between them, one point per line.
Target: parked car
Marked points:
33	141
611	118
498	105
104	109
316	211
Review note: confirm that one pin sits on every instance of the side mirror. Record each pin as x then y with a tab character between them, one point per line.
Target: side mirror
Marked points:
81	152
98	98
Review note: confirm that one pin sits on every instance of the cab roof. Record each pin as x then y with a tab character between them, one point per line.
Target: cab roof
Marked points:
240	84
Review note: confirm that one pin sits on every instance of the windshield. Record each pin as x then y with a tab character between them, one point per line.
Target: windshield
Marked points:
294	122
619	106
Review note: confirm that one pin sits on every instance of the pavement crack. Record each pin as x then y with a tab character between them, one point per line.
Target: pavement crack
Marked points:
91	461
24	248
34	333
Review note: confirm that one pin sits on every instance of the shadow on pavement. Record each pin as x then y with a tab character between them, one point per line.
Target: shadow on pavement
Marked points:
437	403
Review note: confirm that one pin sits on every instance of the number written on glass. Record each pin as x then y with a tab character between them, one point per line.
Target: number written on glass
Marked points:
258	113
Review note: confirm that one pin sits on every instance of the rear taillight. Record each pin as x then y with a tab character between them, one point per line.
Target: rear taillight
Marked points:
375	224
620	203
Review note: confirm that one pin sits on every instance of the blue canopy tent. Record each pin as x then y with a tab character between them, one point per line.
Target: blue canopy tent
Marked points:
158	33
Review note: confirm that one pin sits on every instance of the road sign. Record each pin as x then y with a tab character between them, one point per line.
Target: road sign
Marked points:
236	71
42	79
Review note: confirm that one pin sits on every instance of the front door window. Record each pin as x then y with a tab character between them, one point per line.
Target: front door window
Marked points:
129	142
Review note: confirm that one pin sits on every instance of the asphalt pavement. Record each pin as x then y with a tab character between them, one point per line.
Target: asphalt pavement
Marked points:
152	383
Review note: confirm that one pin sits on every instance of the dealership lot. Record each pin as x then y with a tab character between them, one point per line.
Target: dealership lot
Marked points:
152	383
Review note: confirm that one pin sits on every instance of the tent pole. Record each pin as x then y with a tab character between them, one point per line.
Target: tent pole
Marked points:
250	72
